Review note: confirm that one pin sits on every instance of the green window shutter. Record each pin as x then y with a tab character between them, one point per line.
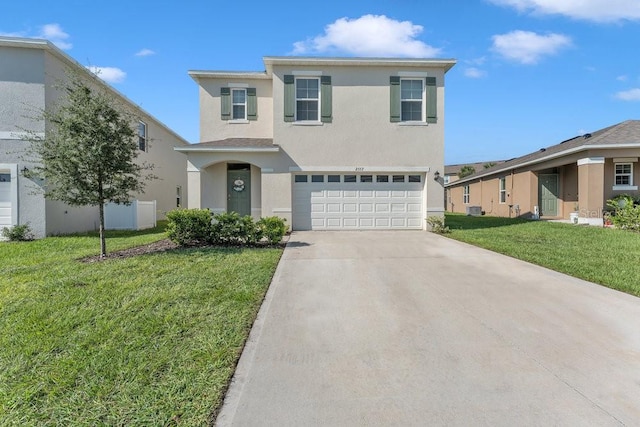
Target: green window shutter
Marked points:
225	103
252	104
432	100
394	89
325	99
289	98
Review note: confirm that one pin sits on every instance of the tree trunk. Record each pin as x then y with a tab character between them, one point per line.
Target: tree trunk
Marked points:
103	243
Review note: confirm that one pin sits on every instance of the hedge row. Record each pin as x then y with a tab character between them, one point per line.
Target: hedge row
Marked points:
188	227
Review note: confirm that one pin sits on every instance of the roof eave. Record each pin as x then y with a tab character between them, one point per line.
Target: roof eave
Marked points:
227	149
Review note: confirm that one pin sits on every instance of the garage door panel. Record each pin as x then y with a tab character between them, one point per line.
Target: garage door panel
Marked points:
357	205
350	207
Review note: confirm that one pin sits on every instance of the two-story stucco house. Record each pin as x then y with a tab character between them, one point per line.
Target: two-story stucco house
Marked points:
31	72
326	143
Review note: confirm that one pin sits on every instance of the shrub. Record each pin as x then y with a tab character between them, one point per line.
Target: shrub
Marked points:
625	214
189	226
18	233
437	225
231	228
273	228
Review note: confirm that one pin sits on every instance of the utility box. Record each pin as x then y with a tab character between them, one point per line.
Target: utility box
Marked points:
474	210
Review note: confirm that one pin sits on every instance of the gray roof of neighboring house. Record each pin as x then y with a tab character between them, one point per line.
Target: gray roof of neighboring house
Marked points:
622	134
455	169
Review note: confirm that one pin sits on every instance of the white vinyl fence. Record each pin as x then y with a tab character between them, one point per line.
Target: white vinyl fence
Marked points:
139	215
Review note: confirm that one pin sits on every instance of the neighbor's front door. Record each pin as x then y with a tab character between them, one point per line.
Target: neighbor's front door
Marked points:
548	192
239	191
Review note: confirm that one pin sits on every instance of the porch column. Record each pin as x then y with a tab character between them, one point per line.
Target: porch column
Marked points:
590	190
194	189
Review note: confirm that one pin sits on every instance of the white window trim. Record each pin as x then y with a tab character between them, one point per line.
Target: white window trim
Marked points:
244	119
502	191
629	186
295	88
423	120
466	191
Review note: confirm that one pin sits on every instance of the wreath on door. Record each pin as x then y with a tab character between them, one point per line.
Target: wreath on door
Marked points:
238	185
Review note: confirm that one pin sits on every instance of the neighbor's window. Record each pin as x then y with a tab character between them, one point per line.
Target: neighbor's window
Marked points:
465	194
624	174
142	136
411	100
503	190
239	104
178	196
307	99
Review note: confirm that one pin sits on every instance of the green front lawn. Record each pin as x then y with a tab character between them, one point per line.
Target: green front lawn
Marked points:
147	340
606	256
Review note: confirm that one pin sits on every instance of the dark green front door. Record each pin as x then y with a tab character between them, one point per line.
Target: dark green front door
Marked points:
548	194
239	191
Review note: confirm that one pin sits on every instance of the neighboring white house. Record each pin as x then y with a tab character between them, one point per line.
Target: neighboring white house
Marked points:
29	71
326	143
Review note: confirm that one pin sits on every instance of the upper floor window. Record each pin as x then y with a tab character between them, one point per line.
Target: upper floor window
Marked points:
142	136
239	104
624	174
465	194
307	99
503	190
413	99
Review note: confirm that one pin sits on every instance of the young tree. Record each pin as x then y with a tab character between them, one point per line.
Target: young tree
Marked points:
466	171
87	156
489	165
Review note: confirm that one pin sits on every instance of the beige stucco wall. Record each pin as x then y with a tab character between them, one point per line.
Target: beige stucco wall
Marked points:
213	128
361	134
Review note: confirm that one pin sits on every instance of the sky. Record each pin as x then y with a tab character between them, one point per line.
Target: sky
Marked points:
530	73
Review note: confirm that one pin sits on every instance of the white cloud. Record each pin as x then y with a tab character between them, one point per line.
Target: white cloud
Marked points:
528	47
145	52
109	74
369	35
51	32
628	95
622	78
589	10
474	73
55	34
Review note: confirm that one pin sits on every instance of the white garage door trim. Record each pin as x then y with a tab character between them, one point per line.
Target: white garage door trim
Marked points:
8	194
368	201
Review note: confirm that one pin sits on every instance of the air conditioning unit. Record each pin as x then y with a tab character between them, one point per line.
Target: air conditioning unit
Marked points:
474	210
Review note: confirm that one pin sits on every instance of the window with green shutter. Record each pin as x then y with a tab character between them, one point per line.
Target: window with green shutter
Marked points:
238	104
413	99
307	99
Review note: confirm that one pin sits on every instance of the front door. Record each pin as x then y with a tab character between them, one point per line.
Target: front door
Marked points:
239	189
548	193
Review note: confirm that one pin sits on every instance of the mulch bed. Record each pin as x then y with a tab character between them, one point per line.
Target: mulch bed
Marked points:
152	248
157	247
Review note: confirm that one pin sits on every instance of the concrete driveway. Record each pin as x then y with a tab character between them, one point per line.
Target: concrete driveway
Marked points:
410	328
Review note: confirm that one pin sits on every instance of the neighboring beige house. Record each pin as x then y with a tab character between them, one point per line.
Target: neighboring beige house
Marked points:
578	175
326	143
29	70
452	174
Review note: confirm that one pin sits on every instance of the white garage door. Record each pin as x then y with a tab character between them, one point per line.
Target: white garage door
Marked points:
5	200
365	201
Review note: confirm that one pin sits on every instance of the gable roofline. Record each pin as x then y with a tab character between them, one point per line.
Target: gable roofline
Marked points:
219	74
589	141
270	61
46	45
